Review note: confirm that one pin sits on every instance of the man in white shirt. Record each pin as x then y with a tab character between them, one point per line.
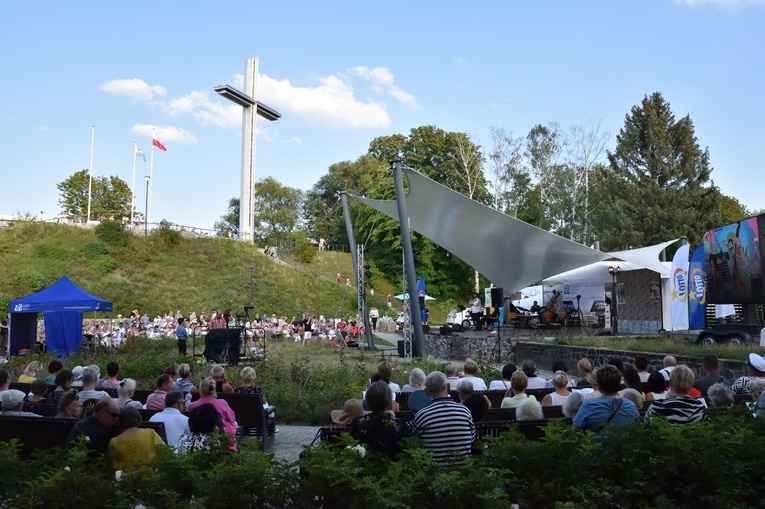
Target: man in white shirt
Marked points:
476	311
176	424
470	369
535	382
669	364
89	380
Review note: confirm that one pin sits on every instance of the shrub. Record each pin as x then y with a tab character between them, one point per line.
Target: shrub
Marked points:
31	280
105	263
166	234
53	252
113	233
94	249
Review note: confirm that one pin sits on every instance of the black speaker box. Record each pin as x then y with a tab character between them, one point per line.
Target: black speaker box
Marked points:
497	297
445	330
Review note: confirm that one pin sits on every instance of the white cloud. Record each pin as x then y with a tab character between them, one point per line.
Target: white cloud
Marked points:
462	61
332	103
382	80
167	134
204	110
137	89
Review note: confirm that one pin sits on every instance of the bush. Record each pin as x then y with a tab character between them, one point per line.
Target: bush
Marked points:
105	263
166	234
31	280
94	249
113	233
53	252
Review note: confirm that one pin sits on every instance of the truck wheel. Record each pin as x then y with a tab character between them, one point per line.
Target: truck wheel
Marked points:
708	340
466	324
735	339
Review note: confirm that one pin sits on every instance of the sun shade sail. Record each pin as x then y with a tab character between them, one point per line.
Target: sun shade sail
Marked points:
510	253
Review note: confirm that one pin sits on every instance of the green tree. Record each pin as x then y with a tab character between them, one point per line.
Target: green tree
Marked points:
277	209
323	212
660	181
449	158
231	218
110	196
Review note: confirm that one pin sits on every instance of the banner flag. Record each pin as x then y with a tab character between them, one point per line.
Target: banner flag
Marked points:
140	153
697	295
155	141
679	282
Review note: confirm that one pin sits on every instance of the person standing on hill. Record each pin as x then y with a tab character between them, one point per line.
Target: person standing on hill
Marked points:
374	314
182	334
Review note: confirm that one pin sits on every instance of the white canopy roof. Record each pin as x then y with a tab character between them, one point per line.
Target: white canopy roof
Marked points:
510	253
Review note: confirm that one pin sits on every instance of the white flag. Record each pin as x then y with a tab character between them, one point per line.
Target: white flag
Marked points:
679	298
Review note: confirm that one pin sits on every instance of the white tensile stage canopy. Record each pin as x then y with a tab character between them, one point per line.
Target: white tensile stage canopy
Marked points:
510	253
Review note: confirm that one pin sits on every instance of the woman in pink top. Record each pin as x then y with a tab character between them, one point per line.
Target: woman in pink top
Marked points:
208	396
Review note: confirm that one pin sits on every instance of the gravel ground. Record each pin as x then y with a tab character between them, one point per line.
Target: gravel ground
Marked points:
290	441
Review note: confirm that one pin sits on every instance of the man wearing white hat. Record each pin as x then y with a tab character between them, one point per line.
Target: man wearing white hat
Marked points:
756	370
13	403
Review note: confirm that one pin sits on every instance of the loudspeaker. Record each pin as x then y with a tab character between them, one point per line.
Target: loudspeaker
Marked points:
457	327
445	330
497	297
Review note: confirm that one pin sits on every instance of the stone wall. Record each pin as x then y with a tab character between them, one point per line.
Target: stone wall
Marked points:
458	348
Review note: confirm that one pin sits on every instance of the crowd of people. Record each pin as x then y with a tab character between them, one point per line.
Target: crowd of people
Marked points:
109	418
610	395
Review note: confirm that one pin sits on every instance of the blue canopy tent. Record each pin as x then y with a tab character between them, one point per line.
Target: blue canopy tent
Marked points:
62	305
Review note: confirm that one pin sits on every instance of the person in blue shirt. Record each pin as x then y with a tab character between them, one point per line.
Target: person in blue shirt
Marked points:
609	409
182	334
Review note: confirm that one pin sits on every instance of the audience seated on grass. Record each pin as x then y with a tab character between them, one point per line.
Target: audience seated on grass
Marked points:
609	409
679	407
378	429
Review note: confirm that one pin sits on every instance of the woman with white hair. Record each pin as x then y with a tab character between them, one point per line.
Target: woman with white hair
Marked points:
416	381
125	393
529	410
572	404
679	407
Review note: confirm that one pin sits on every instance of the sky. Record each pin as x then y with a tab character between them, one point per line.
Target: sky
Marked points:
343	73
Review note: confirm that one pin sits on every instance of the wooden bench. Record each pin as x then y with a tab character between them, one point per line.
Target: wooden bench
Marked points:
41	433
251	416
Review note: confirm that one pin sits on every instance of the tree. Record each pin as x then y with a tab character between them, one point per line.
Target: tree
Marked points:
448	158
510	174
277	209
110	196
660	180
544	151
231	218
323	213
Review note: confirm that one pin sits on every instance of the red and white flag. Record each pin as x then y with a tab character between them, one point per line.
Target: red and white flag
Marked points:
157	143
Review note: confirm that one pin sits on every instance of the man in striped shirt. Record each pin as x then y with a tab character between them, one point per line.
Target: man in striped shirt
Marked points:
756	370
445	427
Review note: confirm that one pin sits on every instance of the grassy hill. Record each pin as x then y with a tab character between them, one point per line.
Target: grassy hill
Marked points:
166	271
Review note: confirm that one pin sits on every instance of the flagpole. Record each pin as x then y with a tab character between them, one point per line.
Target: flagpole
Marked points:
90	180
151	176
132	194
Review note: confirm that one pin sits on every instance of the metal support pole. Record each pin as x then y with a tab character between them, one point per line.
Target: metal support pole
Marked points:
356	268
411	277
